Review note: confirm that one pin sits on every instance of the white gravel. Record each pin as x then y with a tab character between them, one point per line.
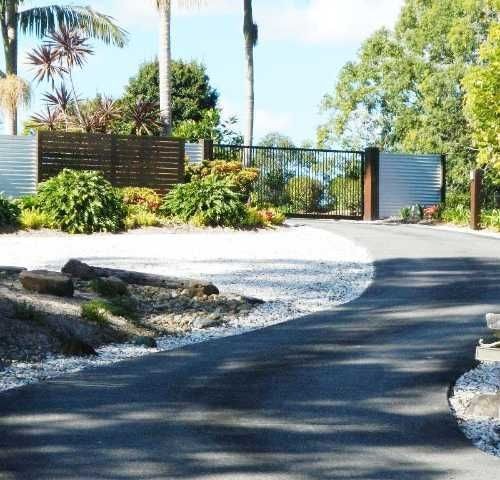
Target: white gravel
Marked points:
296	270
484	432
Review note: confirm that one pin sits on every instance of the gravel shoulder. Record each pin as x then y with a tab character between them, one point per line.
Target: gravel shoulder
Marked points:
296	270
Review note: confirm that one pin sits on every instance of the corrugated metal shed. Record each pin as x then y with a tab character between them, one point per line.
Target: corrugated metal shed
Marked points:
407	180
18	165
194	151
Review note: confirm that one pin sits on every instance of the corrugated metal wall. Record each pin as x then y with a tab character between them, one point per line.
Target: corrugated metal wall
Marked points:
18	165
194	151
407	180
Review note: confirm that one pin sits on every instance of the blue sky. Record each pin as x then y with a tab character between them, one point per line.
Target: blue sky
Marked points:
303	44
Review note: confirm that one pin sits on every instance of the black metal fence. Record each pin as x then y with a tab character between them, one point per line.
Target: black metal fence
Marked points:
303	181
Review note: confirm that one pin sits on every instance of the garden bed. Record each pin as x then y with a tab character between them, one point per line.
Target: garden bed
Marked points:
294	270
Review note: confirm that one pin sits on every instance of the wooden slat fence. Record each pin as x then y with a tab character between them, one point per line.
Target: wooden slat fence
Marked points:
153	162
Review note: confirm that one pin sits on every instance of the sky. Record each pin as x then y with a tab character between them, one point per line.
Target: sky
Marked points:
302	46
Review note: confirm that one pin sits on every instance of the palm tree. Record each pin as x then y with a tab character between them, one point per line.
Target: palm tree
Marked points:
40	21
165	59
14	91
251	33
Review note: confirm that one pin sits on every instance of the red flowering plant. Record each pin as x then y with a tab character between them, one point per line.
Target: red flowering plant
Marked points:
432	212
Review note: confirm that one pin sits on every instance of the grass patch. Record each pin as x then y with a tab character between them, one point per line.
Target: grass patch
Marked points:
33	219
97	310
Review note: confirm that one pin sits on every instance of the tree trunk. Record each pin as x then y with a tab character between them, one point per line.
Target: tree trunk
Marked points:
249	33
11	123
10	39
165	62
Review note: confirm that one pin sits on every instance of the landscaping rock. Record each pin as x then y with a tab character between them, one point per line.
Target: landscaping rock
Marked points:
253	300
77	348
493	321
206	322
45	282
77	269
484	405
147	342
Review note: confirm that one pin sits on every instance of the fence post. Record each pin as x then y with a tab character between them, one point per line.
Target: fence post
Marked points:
475	198
371	182
208	149
443	178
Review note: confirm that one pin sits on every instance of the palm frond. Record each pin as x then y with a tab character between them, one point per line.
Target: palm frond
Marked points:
14	91
41	21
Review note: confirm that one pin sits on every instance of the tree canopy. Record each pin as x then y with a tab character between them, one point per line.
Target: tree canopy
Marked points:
410	83
192	94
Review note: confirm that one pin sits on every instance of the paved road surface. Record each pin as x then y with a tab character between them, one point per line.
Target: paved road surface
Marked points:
359	392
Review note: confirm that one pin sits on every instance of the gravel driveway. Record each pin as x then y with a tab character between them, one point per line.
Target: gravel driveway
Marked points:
296	270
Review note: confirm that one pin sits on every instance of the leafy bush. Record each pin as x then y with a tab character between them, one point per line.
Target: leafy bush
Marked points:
270	188
98	310
433	212
34	219
405	214
9	212
209	201
243	178
28	202
459	215
345	194
82	202
144	197
108	288
139	216
491	219
304	193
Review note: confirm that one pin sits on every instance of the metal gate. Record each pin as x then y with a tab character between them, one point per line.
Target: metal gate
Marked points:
304	182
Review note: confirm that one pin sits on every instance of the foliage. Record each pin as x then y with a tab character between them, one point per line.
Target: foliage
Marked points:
405	214
98	310
482	85
209	201
304	193
261	218
82	202
192	94
209	127
276	140
491	219
34	219
144	197
243	178
409	82
345	193
9	212
271	185
14	91
139	216
106	288
433	212
459	215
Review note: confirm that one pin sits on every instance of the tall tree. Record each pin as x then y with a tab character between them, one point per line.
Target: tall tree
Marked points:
165	59
409	80
42	20
251	34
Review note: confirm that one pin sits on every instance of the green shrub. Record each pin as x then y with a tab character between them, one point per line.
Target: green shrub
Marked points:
405	214
143	197
345	195
34	219
108	288
209	201
304	194
459	215
139	216
243	178
82	202
254	218
95	311
28	202
9	212
491	219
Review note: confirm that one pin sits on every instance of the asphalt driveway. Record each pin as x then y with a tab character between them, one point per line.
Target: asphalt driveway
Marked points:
359	392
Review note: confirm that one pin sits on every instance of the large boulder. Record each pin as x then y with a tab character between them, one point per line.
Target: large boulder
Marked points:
77	269
48	283
485	406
